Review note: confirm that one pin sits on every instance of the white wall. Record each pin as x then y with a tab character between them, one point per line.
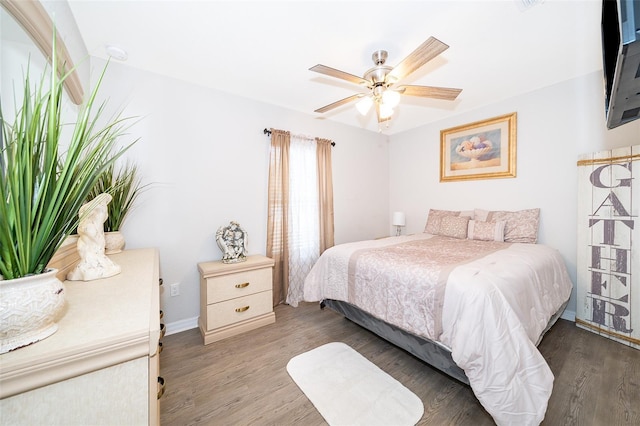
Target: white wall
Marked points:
207	157
554	126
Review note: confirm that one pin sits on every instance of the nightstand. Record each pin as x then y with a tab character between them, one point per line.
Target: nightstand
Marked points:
235	297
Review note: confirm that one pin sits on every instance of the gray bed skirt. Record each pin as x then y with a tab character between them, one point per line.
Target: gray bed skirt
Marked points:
427	350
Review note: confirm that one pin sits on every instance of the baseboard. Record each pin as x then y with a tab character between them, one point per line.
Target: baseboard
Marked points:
568	315
182	325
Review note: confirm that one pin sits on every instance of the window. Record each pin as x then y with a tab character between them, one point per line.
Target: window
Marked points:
300	217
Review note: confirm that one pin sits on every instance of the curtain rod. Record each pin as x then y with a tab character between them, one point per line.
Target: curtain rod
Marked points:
268	133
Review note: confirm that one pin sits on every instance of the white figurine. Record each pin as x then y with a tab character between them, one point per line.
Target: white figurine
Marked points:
94	264
232	240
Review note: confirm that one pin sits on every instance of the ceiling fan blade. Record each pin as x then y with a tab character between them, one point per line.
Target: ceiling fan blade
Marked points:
423	54
446	93
332	72
339	103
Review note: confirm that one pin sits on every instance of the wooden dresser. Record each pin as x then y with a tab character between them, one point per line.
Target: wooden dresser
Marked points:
235	297
101	366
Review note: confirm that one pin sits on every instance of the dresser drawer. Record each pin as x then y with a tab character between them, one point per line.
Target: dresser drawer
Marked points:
240	284
239	309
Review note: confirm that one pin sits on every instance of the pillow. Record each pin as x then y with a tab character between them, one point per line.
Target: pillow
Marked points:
486	231
434	218
480	215
521	226
454	226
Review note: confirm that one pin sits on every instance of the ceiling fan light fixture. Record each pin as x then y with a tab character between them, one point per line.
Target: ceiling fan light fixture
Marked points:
385	111
364	105
391	98
381	80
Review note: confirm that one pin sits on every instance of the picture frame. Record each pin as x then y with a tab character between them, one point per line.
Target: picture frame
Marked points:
481	150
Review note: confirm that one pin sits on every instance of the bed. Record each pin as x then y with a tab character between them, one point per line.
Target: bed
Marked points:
475	308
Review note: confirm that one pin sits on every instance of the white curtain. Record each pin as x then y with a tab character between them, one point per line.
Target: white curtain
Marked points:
304	228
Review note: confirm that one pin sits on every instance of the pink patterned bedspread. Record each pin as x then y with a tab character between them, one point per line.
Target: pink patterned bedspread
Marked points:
488	302
404	283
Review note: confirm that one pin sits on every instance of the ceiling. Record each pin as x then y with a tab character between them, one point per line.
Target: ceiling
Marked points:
263	49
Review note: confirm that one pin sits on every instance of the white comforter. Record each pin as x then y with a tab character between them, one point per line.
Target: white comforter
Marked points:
494	311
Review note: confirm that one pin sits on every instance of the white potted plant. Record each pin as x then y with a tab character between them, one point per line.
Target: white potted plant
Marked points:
124	185
43	182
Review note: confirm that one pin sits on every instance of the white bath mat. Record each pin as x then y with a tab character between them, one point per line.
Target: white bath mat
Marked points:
348	389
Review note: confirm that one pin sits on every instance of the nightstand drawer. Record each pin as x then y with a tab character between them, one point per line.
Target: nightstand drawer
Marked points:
239	309
240	284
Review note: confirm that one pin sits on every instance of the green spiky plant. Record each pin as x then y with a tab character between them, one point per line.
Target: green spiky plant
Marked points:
124	186
43	179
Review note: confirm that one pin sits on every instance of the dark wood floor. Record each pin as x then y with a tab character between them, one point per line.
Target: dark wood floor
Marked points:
243	381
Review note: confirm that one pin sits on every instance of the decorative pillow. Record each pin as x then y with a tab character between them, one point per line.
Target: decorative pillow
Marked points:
486	231
521	226
480	215
434	218
468	213
454	226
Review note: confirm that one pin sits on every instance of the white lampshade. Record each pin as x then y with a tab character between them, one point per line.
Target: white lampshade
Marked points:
391	98
364	104
385	111
398	219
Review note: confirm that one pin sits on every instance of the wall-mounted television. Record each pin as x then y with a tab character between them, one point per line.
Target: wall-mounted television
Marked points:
621	60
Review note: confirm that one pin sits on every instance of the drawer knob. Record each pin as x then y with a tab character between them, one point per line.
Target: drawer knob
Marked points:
242	309
243	285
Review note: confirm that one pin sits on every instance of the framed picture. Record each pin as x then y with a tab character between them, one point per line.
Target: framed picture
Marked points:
481	150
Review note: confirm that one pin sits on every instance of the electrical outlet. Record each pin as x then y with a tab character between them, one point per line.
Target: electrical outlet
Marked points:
175	289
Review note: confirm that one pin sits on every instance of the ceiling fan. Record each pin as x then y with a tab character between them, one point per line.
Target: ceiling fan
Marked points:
380	81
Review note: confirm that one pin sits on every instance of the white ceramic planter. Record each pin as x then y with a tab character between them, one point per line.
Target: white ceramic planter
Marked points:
113	242
29	309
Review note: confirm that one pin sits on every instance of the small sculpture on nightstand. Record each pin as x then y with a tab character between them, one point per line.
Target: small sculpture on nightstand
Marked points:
232	240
